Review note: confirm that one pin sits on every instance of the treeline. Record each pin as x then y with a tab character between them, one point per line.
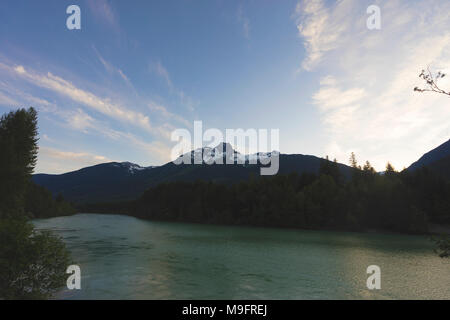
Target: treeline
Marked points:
393	201
40	203
32	263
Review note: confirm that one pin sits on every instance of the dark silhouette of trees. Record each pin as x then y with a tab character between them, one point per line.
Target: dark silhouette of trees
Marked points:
39	203
353	162
394	201
18	142
32	263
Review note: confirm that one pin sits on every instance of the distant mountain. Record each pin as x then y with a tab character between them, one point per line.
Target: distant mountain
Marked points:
119	181
126	181
438	160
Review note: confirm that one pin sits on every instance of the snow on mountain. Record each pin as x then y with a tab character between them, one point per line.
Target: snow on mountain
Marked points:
132	167
225	151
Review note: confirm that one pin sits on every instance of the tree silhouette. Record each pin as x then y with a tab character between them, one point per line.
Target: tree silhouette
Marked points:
431	82
32	263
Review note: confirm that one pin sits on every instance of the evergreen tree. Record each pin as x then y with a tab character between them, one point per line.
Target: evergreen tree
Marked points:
32	264
353	162
18	142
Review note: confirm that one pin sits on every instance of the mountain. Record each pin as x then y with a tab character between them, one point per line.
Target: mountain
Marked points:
442	167
438	160
126	181
119	181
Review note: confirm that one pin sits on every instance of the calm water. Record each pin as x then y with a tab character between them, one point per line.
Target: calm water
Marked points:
126	258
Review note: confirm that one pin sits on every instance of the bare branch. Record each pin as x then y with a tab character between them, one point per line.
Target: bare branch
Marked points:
431	82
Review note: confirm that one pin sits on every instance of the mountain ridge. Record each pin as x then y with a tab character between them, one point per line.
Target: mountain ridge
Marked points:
436	154
123	181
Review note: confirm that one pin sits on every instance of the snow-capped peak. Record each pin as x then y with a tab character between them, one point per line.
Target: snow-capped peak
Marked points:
225	151
132	167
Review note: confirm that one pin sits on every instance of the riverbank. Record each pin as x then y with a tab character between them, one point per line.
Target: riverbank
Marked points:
433	229
439	229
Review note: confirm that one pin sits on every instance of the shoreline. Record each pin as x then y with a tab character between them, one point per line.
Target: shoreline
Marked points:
433	228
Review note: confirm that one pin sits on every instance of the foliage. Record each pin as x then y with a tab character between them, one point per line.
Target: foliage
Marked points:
39	203
443	246
32	264
396	201
18	142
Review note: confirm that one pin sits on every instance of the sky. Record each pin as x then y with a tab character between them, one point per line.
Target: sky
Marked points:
137	70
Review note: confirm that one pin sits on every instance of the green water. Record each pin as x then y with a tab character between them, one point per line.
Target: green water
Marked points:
126	258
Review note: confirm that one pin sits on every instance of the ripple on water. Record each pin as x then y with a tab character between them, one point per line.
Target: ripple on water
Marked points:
123	257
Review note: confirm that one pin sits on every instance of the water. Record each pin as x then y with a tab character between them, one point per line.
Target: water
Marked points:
126	258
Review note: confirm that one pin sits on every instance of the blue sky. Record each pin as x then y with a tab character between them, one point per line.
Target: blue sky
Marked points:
137	70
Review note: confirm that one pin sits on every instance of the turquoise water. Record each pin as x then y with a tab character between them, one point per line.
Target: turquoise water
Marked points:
126	258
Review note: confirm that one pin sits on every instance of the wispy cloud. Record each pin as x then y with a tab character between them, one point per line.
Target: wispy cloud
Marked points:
79	120
159	69
56	161
322	28
244	21
6	100
105	13
366	100
157	151
160	109
83	118
69	90
11	96
331	97
111	69
162	72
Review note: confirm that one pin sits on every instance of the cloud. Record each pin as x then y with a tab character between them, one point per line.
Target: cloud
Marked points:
20	69
160	109
69	90
81	121
366	101
51	160
7	101
161	71
12	97
46	137
323	29
330	97
106	64
244	21
113	70
104	13
124	77
155	149
58	161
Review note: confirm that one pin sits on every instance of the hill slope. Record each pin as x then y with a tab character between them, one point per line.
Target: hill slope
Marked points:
441	152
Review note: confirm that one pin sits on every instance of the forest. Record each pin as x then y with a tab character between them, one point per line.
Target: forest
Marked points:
393	201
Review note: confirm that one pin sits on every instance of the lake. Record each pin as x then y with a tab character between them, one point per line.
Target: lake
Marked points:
123	257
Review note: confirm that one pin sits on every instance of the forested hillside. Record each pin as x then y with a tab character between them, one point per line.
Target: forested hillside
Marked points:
395	201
